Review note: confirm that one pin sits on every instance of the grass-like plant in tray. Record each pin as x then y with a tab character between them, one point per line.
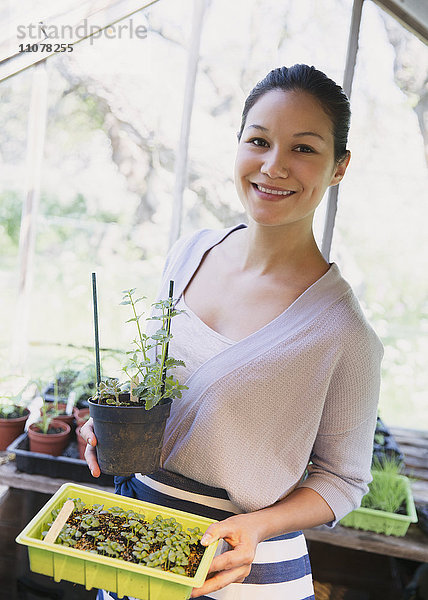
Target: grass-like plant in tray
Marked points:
387	492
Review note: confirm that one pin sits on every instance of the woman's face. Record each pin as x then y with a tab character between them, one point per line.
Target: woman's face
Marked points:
285	159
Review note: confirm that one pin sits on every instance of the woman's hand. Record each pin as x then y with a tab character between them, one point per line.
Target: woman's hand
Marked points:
234	565
87	433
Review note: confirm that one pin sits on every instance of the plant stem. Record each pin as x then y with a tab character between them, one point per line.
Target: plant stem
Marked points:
56	396
168	330
137	320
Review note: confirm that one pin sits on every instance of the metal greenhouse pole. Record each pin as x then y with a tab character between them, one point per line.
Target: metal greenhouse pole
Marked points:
351	57
35	145
199	9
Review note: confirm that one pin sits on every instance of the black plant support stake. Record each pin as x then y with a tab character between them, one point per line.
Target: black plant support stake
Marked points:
97	341
168	329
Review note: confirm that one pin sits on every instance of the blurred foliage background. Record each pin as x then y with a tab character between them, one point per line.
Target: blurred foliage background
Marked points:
108	174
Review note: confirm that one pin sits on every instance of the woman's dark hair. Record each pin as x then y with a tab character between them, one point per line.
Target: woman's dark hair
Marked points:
308	79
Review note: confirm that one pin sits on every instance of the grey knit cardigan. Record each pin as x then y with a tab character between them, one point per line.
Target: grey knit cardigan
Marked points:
293	404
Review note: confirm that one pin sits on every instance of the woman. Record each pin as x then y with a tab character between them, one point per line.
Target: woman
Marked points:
274	434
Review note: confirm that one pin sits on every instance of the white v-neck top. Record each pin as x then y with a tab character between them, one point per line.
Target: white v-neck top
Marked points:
193	341
298	395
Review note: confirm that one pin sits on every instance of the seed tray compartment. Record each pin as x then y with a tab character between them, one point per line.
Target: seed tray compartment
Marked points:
112	574
67	466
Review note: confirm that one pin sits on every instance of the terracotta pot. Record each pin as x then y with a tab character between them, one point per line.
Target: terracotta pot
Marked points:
79	415
81	444
49	443
10	429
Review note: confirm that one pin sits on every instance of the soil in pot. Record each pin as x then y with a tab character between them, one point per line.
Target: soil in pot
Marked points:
11	428
130	438
53	442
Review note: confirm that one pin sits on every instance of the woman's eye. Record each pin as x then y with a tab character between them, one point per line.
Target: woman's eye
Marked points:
305	149
258	142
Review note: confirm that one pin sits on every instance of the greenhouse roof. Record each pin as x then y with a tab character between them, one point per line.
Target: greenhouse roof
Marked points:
50	25
412	14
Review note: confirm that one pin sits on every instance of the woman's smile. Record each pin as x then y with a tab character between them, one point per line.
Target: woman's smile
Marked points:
271	193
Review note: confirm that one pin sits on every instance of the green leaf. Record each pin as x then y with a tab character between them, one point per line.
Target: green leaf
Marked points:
151	402
178	570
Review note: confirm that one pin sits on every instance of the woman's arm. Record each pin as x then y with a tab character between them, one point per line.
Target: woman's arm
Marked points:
303	508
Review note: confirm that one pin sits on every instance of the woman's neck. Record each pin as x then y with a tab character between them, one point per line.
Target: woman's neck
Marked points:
279	249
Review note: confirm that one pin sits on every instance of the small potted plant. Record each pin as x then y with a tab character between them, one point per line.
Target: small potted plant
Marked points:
57	409
13	416
129	418
388	507
48	435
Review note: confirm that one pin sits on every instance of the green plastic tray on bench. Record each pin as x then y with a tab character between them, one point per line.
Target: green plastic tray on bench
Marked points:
381	521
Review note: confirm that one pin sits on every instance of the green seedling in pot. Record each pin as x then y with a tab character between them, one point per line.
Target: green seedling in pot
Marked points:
49	412
110	390
12	406
11	411
148	377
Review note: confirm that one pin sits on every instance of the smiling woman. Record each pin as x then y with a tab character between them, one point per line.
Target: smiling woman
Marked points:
274	431
286	155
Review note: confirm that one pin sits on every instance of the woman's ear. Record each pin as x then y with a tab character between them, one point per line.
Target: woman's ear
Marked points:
340	169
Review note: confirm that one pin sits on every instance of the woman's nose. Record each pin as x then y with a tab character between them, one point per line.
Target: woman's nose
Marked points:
274	165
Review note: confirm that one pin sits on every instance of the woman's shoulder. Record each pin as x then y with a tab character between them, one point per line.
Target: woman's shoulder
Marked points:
350	318
186	253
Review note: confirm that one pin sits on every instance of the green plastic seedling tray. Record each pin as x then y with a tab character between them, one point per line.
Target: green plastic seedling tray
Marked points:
112	574
381	521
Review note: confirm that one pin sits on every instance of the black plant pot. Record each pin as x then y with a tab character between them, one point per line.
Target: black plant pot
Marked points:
129	438
386	447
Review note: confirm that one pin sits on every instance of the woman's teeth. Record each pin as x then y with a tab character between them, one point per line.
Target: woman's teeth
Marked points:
274	192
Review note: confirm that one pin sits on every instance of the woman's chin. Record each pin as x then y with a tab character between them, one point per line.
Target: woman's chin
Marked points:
266	220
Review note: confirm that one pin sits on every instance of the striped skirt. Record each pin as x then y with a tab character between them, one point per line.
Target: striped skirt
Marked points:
281	569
